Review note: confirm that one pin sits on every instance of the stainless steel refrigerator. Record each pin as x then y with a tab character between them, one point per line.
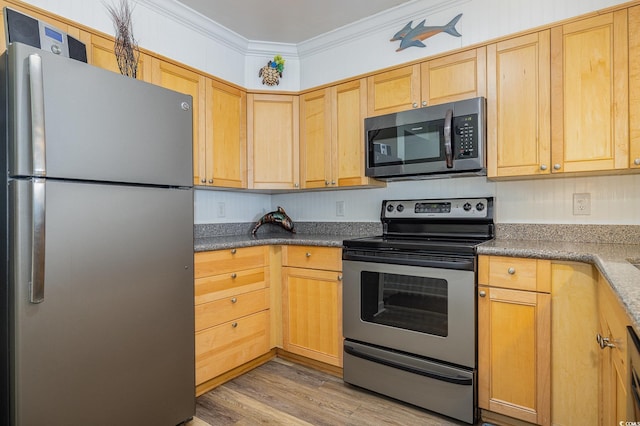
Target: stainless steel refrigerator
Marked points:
97	246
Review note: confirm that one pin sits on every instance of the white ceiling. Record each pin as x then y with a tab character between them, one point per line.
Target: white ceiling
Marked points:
287	21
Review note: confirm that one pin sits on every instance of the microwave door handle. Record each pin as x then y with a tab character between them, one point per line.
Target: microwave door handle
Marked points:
448	149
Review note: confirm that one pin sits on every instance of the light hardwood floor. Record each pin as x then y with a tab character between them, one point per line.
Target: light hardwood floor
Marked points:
283	393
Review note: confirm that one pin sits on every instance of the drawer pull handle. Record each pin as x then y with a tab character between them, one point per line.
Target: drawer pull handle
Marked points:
233	251
482	293
604	342
234	275
511	271
234	324
234	299
307	254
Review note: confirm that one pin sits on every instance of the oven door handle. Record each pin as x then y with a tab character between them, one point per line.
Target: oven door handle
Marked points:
411	369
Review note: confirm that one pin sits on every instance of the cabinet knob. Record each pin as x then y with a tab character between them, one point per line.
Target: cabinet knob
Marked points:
636	161
210	180
482	293
339	277
415	105
234	275
424	103
326	183
511	271
307	254
203	180
233	251
556	166
234	300
333	182
543	167
234	324
295	185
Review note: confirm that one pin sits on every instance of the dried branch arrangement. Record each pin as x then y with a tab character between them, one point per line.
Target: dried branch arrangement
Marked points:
125	47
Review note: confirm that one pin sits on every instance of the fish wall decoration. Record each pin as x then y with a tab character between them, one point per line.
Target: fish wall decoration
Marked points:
414	36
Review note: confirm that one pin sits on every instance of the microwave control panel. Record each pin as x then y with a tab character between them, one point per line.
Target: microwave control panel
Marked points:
465	136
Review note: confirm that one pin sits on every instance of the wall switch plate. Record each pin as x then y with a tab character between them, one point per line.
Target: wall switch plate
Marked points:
222	211
339	208
582	204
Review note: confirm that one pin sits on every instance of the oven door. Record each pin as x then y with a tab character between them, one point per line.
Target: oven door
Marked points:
419	310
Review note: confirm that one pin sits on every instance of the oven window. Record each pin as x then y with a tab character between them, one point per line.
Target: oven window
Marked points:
403	301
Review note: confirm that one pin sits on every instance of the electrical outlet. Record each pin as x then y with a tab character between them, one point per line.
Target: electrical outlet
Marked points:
339	208
582	204
222	210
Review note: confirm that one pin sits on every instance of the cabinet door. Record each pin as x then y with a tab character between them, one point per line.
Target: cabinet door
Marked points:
100	53
394	90
272	141
226	136
589	91
518	106
634	87
315	139
312	314
514	353
191	83
454	77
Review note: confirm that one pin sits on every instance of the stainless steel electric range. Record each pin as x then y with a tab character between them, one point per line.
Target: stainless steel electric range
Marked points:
409	303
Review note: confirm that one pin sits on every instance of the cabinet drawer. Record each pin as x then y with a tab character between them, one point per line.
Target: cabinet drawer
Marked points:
229	345
229	308
229	284
515	273
311	257
216	262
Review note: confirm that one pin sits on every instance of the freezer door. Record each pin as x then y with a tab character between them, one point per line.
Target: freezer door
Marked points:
112	339
71	120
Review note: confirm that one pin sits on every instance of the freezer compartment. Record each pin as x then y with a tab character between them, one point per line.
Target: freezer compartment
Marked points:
70	120
112	339
437	387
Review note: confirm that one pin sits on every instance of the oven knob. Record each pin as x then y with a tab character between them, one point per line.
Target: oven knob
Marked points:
389	208
400	208
480	207
466	207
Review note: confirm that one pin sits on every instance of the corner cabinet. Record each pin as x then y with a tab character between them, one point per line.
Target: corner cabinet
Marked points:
514	326
518	106
273	141
232	318
331	137
312	303
449	78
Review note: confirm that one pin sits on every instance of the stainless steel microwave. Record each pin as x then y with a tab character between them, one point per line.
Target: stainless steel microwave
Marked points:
434	141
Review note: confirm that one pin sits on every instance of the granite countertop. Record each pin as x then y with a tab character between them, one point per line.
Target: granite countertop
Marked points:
610	259
237	241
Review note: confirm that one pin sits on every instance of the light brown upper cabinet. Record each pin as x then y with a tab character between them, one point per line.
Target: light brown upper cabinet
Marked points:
272	141
634	87
191	83
518	106
226	136
331	136
453	77
590	94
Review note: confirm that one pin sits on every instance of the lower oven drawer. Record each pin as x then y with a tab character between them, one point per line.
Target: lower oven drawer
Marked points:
440	388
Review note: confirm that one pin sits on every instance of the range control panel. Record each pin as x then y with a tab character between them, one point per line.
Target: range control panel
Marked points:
444	208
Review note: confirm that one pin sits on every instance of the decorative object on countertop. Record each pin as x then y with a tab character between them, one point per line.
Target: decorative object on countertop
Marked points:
125	46
272	72
413	36
279	217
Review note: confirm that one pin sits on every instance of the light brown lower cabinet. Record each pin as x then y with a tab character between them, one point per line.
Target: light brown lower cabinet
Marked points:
514	325
312	303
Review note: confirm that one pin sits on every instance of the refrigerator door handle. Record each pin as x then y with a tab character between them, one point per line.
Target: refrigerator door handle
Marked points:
38	139
36	283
